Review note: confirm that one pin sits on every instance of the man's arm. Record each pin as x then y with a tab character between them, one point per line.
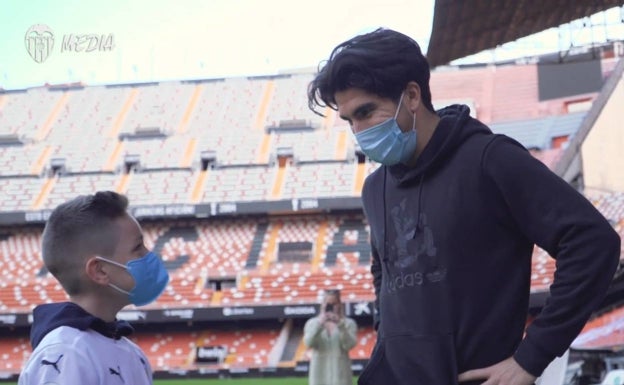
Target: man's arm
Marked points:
564	223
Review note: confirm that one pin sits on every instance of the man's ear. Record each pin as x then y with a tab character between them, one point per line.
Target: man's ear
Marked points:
95	270
414	101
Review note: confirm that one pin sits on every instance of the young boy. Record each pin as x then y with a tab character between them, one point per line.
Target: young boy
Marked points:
95	249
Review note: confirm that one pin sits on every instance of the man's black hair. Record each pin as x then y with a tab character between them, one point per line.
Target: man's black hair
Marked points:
381	62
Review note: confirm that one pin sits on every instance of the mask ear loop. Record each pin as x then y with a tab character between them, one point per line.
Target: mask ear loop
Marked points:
119	265
396	114
118	289
110	261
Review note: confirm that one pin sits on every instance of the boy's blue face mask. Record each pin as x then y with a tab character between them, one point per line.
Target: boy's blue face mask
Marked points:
385	143
150	278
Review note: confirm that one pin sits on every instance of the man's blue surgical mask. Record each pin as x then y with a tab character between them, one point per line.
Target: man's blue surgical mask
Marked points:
386	143
150	278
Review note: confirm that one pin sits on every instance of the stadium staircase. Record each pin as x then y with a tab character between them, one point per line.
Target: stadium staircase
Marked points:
190	108
256	246
360	175
198	186
45	128
280	181
295	338
48	185
264	149
187	158
271	249
341	146
320	247
40	164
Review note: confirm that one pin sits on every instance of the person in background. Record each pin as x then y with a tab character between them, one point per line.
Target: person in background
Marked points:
330	336
95	249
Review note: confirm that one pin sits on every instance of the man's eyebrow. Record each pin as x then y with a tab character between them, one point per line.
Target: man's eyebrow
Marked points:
361	109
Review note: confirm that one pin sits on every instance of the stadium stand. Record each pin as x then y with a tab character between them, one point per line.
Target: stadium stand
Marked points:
160	187
167	351
13	352
319	180
366	338
245	348
224	184
76	184
19	193
299	285
189	120
603	332
82	134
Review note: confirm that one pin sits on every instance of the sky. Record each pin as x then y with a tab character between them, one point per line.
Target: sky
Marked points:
159	40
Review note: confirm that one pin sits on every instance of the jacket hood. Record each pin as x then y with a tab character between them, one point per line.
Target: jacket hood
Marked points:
455	127
51	316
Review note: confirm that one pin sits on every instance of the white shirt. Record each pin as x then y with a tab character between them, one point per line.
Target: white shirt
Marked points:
68	356
330	363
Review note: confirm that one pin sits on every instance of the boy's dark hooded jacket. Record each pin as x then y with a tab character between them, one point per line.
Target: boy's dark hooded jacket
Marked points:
50	316
452	240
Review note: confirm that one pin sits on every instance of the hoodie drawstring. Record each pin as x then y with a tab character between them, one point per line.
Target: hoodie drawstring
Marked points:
385	221
419	227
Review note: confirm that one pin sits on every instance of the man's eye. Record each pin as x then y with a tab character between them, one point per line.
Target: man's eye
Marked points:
363	114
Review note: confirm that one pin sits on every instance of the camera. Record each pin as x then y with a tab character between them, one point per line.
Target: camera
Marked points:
329	308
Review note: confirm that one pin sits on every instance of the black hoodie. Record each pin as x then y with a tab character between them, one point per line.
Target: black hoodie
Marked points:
51	316
452	239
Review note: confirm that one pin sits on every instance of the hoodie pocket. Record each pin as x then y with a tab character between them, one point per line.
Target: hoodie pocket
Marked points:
421	359
377	371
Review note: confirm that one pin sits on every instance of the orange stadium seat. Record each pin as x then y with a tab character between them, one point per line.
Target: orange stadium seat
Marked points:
14	351
366	338
247	348
221	248
300	286
173	350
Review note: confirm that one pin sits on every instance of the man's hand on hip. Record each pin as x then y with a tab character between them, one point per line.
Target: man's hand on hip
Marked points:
507	372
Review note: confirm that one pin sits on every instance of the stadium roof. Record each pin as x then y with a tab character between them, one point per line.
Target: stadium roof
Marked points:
465	27
538	133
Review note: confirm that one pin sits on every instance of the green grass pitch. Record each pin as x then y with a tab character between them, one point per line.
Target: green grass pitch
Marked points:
241	381
232	381
237	381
